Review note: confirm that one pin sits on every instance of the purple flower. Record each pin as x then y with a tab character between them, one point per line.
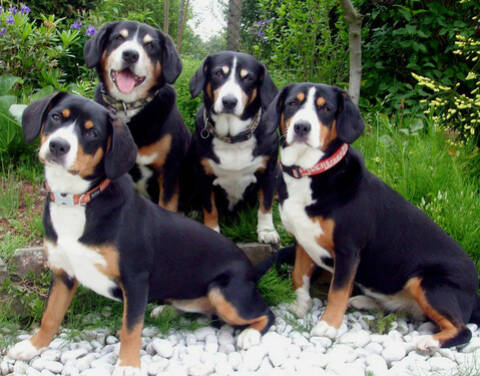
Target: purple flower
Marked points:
260	34
76	25
13	10
90	30
263	23
3	30
25	10
10	20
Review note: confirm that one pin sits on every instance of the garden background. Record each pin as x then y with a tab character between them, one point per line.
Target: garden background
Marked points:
420	98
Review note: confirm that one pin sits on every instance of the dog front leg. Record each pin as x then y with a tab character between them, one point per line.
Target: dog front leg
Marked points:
302	272
62	290
341	285
135	295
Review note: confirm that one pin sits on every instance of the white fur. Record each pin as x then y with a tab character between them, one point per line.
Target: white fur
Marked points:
265	229
247	338
307	113
141	68
141	184
362	302
24	350
427	344
146	159
230	88
298	223
303	302
128	371
323	329
229	125
236	170
216	228
396	302
125	117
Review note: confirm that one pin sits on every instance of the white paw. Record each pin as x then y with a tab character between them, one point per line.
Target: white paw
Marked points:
301	307
362	302
128	371
427	344
157	311
268	235
248	338
216	228
323	329
23	351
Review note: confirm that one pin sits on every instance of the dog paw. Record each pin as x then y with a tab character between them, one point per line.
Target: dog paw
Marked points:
362	302
268	235
248	338
427	344
128	371
301	307
216	228
157	311
23	351
323	329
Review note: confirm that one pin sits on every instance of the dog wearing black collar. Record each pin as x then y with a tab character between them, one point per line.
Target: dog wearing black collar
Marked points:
349	222
135	64
235	152
101	233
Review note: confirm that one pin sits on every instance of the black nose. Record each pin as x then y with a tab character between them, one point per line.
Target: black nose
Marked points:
302	128
130	56
229	102
59	146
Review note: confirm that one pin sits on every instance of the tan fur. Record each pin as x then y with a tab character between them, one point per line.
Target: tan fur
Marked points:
303	266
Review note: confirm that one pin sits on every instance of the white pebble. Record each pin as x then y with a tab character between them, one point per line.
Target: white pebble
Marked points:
441	364
201	333
72	354
394	351
163	347
357	339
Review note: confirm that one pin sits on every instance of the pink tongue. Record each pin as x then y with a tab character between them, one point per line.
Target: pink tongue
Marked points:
125	81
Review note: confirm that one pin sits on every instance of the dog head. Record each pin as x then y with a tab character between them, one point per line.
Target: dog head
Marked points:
233	83
132	59
80	141
313	119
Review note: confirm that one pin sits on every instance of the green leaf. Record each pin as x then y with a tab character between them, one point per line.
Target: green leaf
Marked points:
6	83
47	90
7	100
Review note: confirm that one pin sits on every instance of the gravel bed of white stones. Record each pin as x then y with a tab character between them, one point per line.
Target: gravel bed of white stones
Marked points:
284	350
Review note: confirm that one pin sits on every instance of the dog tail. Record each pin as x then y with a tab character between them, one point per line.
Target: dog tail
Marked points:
282	256
475	318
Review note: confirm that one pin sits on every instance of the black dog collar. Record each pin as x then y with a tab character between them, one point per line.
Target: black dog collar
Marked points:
115	105
209	129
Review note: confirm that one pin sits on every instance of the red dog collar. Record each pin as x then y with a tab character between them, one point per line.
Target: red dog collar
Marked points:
81	199
321	166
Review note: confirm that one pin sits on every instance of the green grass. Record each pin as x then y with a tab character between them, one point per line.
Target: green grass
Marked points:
276	286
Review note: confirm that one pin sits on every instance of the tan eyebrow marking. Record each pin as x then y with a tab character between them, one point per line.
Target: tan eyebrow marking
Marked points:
301	96
88	124
320	101
243	73
225	69
124	33
66	112
147	38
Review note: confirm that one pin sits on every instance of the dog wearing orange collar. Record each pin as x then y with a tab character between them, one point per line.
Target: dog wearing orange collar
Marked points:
349	222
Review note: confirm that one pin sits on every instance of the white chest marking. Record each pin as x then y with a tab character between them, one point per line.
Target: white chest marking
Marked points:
141	184
125	117
143	159
236	170
298	223
75	258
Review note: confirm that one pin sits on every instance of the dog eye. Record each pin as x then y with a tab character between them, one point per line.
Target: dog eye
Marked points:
247	78
325	108
92	133
293	104
56	117
118	37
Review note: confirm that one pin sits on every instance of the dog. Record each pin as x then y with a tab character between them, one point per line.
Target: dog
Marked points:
101	233
349	222
135	64
234	152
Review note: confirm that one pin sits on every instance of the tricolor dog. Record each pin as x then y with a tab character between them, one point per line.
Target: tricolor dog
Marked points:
101	233
234	150
346	220
135	64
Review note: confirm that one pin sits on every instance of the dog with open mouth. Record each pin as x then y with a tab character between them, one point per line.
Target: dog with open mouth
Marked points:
349	222
234	152
135	64
101	233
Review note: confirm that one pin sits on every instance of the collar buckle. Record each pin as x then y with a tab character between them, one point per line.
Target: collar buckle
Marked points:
63	199
297	174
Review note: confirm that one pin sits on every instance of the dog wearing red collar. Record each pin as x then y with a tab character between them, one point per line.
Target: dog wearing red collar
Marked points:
347	221
101	233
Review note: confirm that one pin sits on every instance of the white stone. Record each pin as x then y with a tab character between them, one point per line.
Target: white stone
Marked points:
72	354
441	364
234	359
51	354
70	370
199	369
472	346
201	333
225	337
110	340
46	372
376	364
20	368
50	365
162	347
58	343
33	372
342	369
227	348
374	348
426	328
252	358
394	351
358	339
321	341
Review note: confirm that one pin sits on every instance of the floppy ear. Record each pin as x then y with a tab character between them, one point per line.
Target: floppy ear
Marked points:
197	82
34	115
350	124
272	115
122	153
93	49
268	90
172	65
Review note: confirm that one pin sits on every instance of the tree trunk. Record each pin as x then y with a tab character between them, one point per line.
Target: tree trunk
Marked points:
182	18
354	20
233	25
165	16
